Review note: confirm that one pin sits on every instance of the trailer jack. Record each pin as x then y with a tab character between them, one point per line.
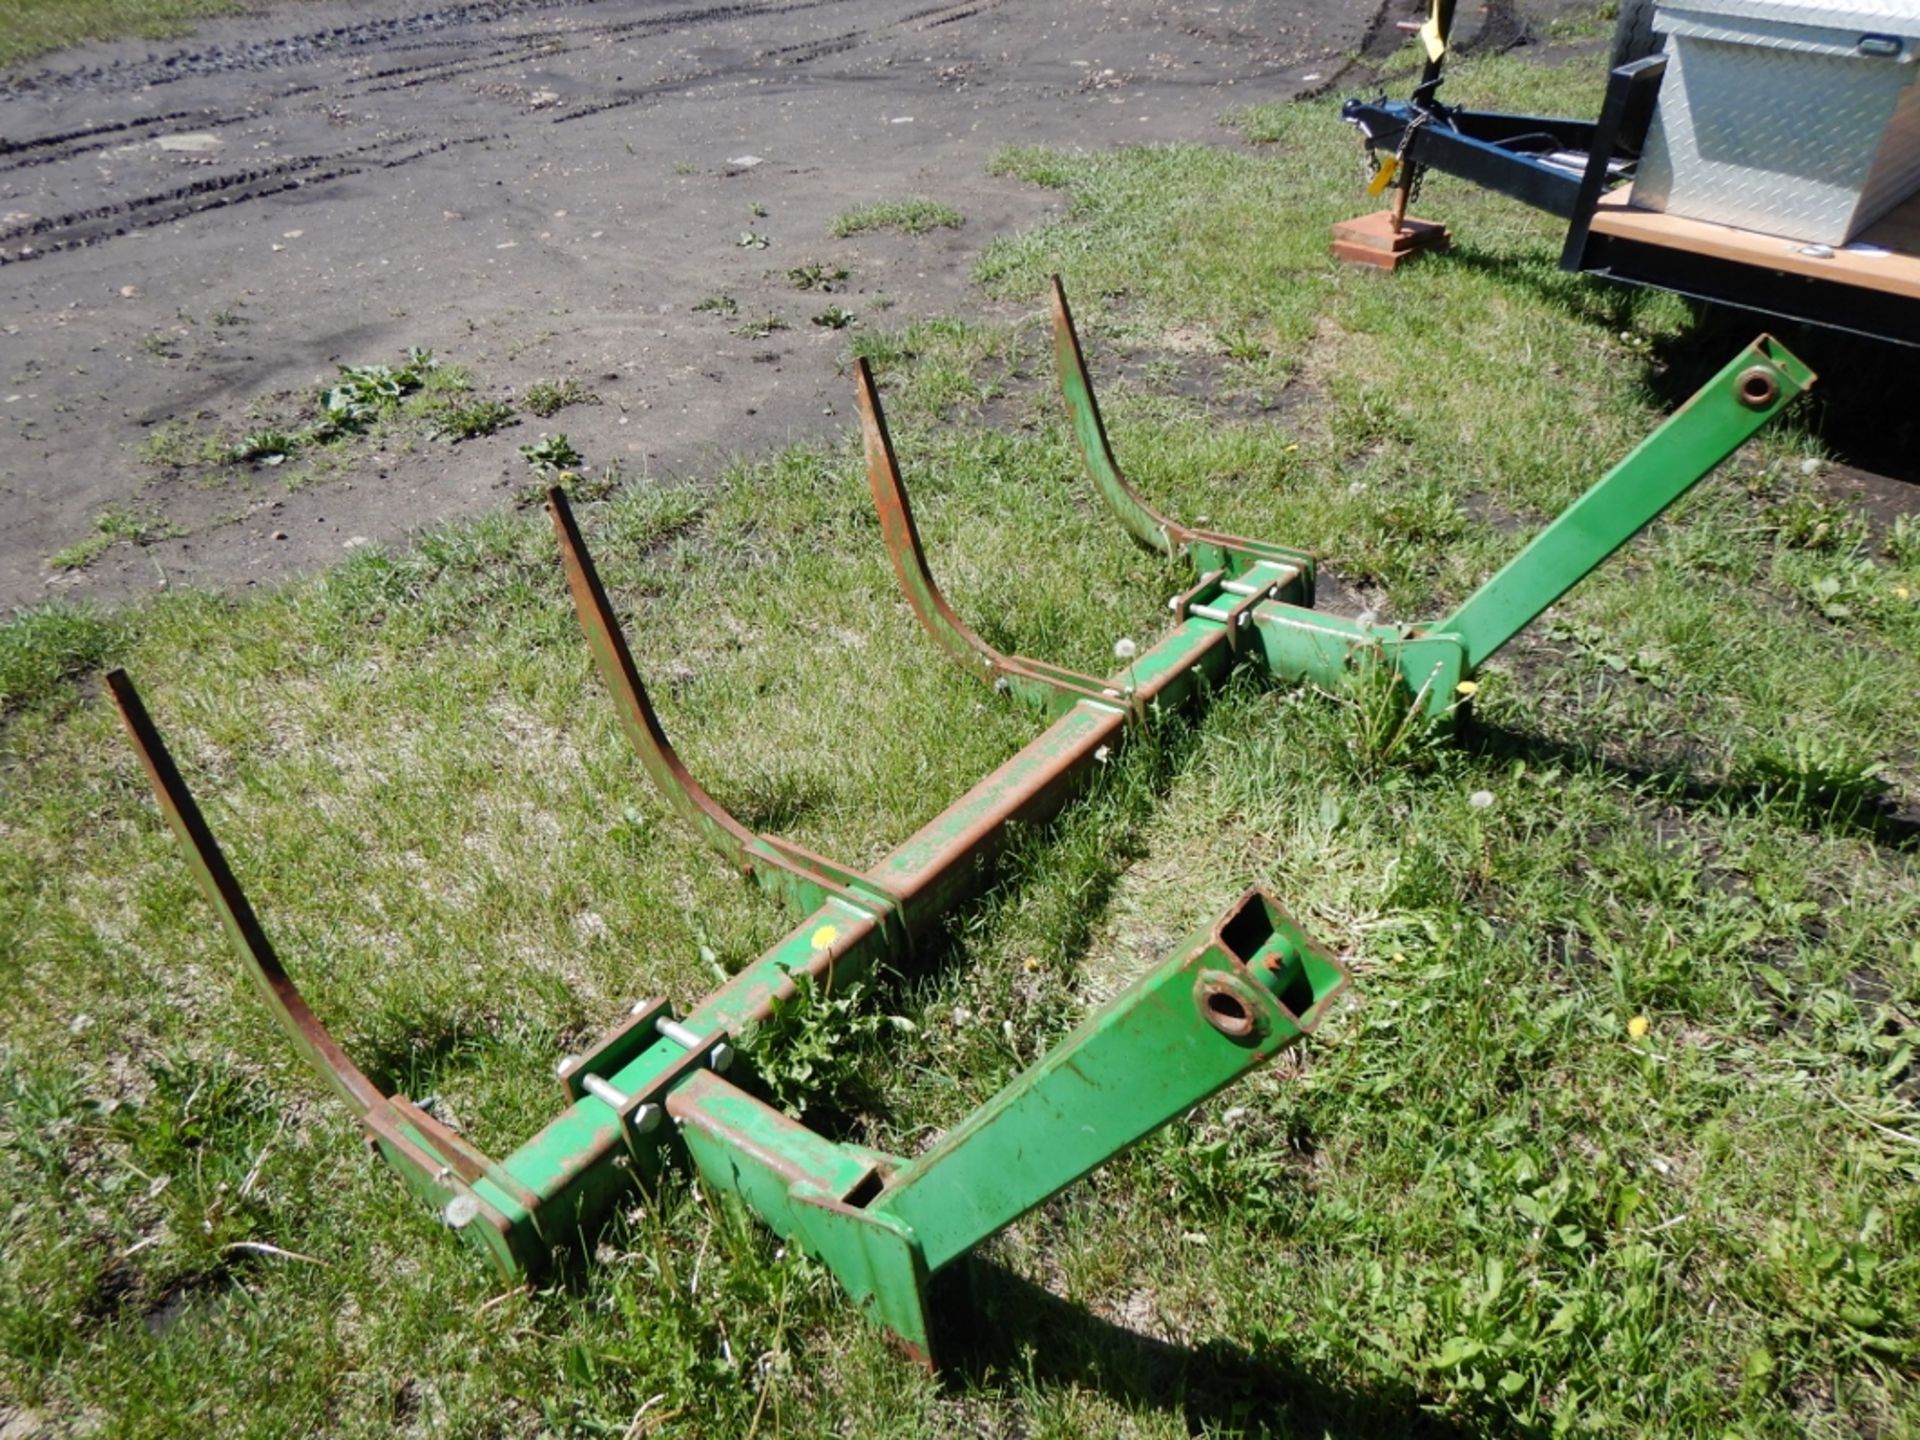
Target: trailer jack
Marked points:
1229	998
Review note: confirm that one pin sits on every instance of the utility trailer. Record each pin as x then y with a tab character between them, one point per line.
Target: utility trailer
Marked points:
1799	119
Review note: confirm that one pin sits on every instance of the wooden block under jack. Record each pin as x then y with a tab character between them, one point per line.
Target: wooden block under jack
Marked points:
1370	240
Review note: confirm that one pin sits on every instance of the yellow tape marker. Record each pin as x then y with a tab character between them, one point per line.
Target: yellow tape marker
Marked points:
1383	177
1430	35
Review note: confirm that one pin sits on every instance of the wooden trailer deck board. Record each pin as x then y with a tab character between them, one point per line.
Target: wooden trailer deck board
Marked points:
1894	273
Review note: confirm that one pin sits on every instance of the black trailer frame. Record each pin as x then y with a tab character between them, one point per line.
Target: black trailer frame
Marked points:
1564	166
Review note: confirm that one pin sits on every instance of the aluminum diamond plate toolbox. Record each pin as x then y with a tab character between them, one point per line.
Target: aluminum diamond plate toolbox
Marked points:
1792	117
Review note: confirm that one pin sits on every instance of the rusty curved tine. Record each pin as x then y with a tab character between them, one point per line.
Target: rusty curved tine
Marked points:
902	536
1142	521
218	884
1033	680
614	661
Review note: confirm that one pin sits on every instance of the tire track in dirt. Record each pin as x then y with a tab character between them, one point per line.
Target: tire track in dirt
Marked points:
397	32
799	53
59	146
100	224
106	222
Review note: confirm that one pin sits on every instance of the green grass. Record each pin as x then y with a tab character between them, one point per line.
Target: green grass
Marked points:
549	397
33	27
1483	1200
913	216
110	527
471	419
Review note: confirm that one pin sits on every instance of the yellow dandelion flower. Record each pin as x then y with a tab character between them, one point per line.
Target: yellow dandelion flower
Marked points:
1467	687
824	936
1638	1026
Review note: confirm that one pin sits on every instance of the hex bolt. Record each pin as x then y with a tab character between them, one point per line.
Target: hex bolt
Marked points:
565	1067
648	1117
687	1040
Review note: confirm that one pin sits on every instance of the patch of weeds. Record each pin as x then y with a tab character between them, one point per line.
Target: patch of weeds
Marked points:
680	167
812	1050
915	216
816	276
579	488
177	445
1805	520
198	1131
756	210
161	347
1829	1296
362	397
1390	727
1847	588
1230	1172
470	421
1815	778
1649	664
226	317
110	527
1903	541
722	305
1243	344
366	393
835	317
761	328
552	454
549	397
268	447
43	648
752	240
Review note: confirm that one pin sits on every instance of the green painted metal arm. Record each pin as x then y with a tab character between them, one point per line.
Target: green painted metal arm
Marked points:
1203	550
1753	387
1143	522
1235	995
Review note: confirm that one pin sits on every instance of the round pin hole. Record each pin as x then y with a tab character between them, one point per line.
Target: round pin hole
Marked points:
1757	387
1226	1011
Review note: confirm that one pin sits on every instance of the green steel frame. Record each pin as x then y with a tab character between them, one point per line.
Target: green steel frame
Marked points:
1301	643
1228	999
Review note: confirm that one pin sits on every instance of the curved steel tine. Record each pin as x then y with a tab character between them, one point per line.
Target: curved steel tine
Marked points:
218	884
1143	522
614	661
903	543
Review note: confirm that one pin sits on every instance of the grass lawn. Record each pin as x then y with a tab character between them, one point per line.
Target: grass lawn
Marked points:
33	27
1485	1199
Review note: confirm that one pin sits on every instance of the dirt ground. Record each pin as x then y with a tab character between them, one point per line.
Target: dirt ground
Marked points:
535	189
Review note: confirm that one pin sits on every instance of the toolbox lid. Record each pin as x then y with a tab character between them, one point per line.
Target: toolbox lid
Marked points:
1868	29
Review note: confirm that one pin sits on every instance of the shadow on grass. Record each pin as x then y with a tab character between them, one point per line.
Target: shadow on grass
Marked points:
1861	409
1867	816
999	1324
